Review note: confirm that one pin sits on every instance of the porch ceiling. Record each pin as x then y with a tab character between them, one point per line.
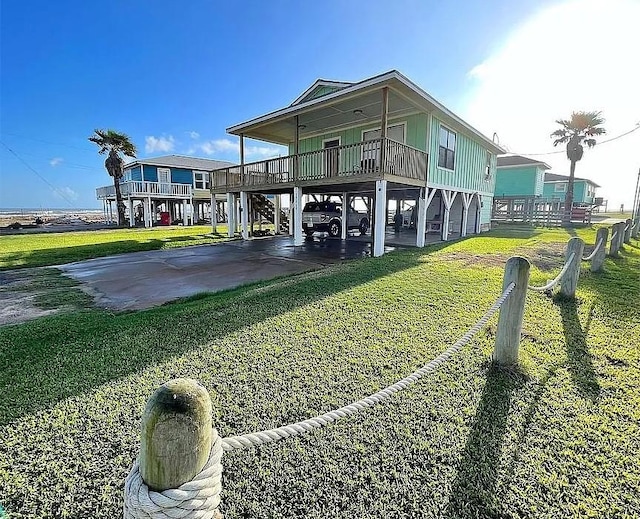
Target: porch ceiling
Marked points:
364	109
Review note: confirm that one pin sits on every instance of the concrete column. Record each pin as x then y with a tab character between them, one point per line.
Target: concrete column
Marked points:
297	216
380	218
510	320
276	213
244	215
345	216
184	212
291	215
569	281
231	220
421	224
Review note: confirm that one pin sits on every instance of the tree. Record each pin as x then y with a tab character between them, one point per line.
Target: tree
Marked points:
581	128
115	144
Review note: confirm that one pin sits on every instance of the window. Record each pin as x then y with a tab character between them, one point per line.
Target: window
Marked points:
447	149
560	186
126	177
201	180
164	175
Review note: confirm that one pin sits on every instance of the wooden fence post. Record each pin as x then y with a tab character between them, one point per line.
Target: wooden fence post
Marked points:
598	259
620	240
176	442
510	320
613	245
627	232
569	281
636	230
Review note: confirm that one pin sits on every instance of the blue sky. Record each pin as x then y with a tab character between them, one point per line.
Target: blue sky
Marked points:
174	75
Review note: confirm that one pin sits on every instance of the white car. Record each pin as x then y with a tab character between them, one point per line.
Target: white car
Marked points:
327	217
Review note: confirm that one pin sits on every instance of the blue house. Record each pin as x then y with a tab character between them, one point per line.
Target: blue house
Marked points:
168	189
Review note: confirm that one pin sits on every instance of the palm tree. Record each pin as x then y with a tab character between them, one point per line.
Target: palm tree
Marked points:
581	128
116	144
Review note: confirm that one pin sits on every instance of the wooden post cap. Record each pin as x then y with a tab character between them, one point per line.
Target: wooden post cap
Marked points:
176	434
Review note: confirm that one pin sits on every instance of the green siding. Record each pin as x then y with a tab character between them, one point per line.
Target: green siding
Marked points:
319	92
470	164
415	134
580	195
520	181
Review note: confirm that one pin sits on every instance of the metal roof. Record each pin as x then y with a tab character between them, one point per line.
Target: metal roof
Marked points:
505	161
182	161
554	177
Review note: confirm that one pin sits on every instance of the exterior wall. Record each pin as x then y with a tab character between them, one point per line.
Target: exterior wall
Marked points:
178	175
485	212
519	181
580	188
415	134
470	164
201	194
319	92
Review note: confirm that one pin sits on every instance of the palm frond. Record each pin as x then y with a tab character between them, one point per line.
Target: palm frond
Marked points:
590	142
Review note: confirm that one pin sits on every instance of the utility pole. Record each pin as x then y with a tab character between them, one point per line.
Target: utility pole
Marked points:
635	213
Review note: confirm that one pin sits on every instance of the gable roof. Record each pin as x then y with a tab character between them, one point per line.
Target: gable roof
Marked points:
507	161
182	161
317	85
405	88
554	177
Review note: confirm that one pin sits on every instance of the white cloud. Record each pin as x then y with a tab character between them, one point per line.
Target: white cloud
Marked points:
194	135
65	193
227	146
55	161
158	144
578	55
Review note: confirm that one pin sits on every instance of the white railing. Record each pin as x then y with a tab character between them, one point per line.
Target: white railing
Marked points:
140	188
352	160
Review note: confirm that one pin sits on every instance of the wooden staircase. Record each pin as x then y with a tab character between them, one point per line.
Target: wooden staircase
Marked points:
265	208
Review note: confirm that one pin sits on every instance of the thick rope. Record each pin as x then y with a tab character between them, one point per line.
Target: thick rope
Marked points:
198	498
614	236
592	255
286	431
626	227
557	279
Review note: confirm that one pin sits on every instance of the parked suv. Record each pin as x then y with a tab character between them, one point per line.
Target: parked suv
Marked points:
327	217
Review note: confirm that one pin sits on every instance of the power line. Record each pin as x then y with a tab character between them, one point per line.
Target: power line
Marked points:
83	148
637	127
60	193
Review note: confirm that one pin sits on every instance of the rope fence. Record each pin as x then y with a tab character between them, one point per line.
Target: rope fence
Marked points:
178	474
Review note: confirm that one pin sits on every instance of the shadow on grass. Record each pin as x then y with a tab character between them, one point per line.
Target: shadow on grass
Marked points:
56	357
473	490
61	255
580	364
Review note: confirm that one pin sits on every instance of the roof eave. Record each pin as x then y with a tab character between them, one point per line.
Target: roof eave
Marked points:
354	89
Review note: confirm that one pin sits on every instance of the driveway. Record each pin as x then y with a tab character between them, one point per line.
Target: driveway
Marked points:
143	279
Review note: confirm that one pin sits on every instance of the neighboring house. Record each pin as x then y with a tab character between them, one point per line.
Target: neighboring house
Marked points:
555	188
172	184
426	154
519	176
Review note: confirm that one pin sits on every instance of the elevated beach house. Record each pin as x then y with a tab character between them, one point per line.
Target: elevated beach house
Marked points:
380	139
555	187
166	190
519	176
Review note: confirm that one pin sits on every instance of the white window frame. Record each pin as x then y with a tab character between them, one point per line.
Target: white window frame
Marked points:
390	125
126	176
560	187
164	170
205	179
455	151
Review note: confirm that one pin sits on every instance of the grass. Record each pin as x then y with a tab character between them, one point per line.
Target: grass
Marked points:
46	249
558	437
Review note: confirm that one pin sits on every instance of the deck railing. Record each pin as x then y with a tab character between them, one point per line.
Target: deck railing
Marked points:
140	188
340	162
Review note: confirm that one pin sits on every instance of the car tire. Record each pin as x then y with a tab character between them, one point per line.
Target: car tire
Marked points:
363	226
309	233
334	228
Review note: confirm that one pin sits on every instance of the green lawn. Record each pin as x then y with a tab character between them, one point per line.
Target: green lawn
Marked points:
558	438
37	250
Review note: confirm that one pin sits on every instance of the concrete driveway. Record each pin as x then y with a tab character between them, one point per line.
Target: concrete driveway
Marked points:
144	279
